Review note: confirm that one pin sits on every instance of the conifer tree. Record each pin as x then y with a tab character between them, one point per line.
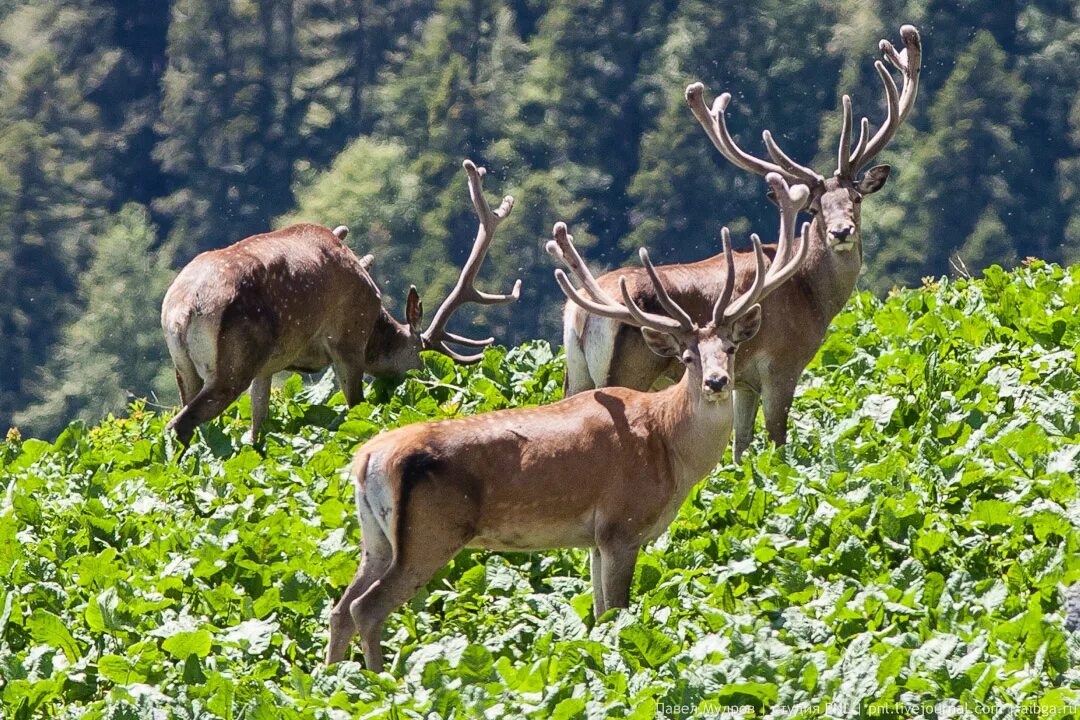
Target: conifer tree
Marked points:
113	352
969	164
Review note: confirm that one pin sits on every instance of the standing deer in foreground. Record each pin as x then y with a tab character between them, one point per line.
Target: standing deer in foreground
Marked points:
299	299
513	480
602	352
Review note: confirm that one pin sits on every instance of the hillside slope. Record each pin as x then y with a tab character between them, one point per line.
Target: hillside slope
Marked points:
907	548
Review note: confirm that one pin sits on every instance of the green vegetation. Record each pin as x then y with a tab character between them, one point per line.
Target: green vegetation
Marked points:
907	547
223	118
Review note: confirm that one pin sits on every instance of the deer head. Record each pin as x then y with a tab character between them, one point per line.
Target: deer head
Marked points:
834	201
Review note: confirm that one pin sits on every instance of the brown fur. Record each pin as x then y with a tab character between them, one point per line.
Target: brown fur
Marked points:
293	299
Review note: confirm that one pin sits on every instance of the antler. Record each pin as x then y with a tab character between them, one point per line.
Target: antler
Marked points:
712	120
908	61
436	336
628	311
791	200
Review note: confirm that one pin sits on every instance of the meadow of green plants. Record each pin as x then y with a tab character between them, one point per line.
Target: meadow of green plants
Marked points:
906	552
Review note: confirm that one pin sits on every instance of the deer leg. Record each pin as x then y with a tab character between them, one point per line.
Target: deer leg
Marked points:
375	557
214	397
188	383
617	569
746	407
421	550
776	398
260	405
243	347
399	583
596	572
352	382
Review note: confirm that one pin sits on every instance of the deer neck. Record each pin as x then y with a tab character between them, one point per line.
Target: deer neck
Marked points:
695	430
829	276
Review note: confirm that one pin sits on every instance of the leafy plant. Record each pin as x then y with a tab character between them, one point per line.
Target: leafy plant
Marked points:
904	553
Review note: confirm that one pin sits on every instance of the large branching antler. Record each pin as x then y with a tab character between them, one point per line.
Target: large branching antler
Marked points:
600	303
786	263
436	336
715	126
898	102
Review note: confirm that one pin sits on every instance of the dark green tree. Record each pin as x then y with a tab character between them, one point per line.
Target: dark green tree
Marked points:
959	191
113	352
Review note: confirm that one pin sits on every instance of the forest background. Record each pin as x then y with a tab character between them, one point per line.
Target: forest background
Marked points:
134	135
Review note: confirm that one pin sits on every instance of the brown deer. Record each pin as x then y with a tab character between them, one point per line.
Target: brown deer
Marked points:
602	352
512	479
299	299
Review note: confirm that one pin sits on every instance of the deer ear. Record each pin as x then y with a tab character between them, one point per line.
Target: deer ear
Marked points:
661	343
746	325
414	309
873	180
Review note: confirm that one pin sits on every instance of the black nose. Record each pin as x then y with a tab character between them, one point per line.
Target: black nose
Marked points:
842	233
716	384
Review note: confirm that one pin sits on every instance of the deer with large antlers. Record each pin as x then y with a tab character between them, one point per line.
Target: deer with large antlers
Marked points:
298	299
602	352
512	479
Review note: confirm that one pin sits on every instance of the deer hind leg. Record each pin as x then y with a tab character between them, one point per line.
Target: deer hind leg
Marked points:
243	348
746	407
576	378
432	532
188	380
188	383
375	558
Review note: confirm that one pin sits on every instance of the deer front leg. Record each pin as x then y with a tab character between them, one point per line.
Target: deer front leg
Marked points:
776	397
352	382
746	407
617	561
596	572
259	391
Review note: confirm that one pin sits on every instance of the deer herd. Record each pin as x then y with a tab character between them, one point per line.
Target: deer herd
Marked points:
663	363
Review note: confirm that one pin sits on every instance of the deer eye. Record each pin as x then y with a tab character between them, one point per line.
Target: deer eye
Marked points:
731	350
687	358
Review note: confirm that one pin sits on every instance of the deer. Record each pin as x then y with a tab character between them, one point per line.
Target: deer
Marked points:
511	479
602	351
299	299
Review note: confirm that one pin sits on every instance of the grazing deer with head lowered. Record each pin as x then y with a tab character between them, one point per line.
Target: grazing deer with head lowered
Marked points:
602	352
299	299
512	479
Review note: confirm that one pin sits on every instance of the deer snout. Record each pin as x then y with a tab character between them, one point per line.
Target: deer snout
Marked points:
841	234
716	383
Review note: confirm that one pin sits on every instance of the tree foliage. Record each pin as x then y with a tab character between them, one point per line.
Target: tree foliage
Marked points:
111	354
